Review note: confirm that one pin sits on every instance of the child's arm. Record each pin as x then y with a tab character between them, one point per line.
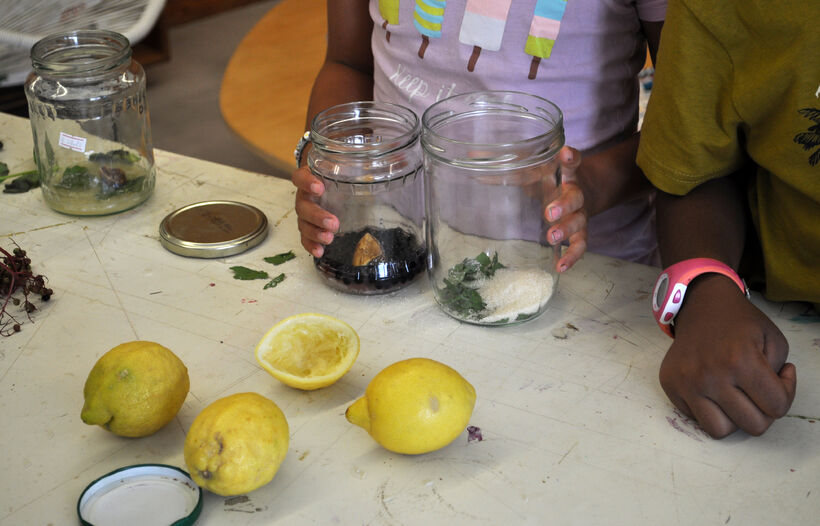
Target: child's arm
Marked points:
601	190
346	75
727	366
604	179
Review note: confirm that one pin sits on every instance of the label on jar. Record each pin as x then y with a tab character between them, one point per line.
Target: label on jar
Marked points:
72	142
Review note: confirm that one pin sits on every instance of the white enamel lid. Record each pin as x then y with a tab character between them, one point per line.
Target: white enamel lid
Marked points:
141	495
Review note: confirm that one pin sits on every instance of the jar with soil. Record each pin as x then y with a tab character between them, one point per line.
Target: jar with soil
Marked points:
89	118
491	168
367	154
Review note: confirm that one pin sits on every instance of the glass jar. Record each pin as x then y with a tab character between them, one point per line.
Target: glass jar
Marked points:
491	167
367	155
89	118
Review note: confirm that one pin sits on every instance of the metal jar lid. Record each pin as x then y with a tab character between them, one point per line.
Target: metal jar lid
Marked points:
144	494
213	229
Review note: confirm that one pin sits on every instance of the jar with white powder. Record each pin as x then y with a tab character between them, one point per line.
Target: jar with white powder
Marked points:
491	168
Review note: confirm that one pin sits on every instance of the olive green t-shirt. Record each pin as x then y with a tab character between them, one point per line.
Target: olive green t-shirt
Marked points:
739	80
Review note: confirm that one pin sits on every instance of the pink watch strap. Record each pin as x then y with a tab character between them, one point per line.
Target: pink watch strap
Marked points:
676	279
691	268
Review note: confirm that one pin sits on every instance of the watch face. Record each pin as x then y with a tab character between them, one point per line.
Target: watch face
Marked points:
660	292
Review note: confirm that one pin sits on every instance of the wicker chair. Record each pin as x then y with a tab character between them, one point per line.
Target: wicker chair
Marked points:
24	22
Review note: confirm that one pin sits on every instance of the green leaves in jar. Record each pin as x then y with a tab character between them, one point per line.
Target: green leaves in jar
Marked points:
111	180
459	293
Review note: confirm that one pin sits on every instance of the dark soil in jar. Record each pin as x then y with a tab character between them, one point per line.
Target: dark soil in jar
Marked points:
403	259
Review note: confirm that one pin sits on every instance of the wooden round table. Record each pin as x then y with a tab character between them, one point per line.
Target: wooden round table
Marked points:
267	83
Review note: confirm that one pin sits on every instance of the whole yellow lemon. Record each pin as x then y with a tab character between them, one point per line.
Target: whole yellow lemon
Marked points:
414	406
135	389
236	444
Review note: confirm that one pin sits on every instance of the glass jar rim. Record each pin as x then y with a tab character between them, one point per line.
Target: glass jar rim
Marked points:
49	53
434	117
375	110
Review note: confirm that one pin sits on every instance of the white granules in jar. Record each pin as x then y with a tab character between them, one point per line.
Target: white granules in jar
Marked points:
512	293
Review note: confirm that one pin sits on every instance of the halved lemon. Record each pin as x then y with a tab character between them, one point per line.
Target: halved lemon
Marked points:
308	351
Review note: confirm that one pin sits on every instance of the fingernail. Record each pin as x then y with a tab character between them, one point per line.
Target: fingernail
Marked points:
562	267
554	212
557	236
326	237
316	188
318	252
329	223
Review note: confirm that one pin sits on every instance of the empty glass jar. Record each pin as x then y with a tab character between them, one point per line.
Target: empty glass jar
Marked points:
367	155
89	118
491	167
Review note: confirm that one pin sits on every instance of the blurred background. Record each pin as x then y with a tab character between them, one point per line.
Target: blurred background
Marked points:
184	55
250	63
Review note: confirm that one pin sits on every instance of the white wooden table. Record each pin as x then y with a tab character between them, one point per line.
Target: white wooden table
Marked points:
576	429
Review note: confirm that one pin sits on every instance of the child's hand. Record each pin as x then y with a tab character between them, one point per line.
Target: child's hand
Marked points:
567	212
727	366
316	224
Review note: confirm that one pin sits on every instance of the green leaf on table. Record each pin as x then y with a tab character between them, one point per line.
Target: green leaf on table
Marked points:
22	182
19	182
246	273
278	259
275	281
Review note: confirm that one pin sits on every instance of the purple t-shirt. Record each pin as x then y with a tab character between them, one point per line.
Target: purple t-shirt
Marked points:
583	55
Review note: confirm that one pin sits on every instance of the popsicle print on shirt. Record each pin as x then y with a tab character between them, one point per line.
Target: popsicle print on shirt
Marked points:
389	9
483	26
428	17
546	22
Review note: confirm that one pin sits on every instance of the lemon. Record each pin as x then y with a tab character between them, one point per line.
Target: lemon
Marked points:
236	444
414	406
308	351
135	389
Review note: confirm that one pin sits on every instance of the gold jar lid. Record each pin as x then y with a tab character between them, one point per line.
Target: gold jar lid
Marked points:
213	229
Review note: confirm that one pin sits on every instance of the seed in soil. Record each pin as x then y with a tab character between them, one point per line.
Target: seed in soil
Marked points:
403	257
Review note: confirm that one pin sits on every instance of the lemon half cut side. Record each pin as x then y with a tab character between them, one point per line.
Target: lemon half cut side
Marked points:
308	351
